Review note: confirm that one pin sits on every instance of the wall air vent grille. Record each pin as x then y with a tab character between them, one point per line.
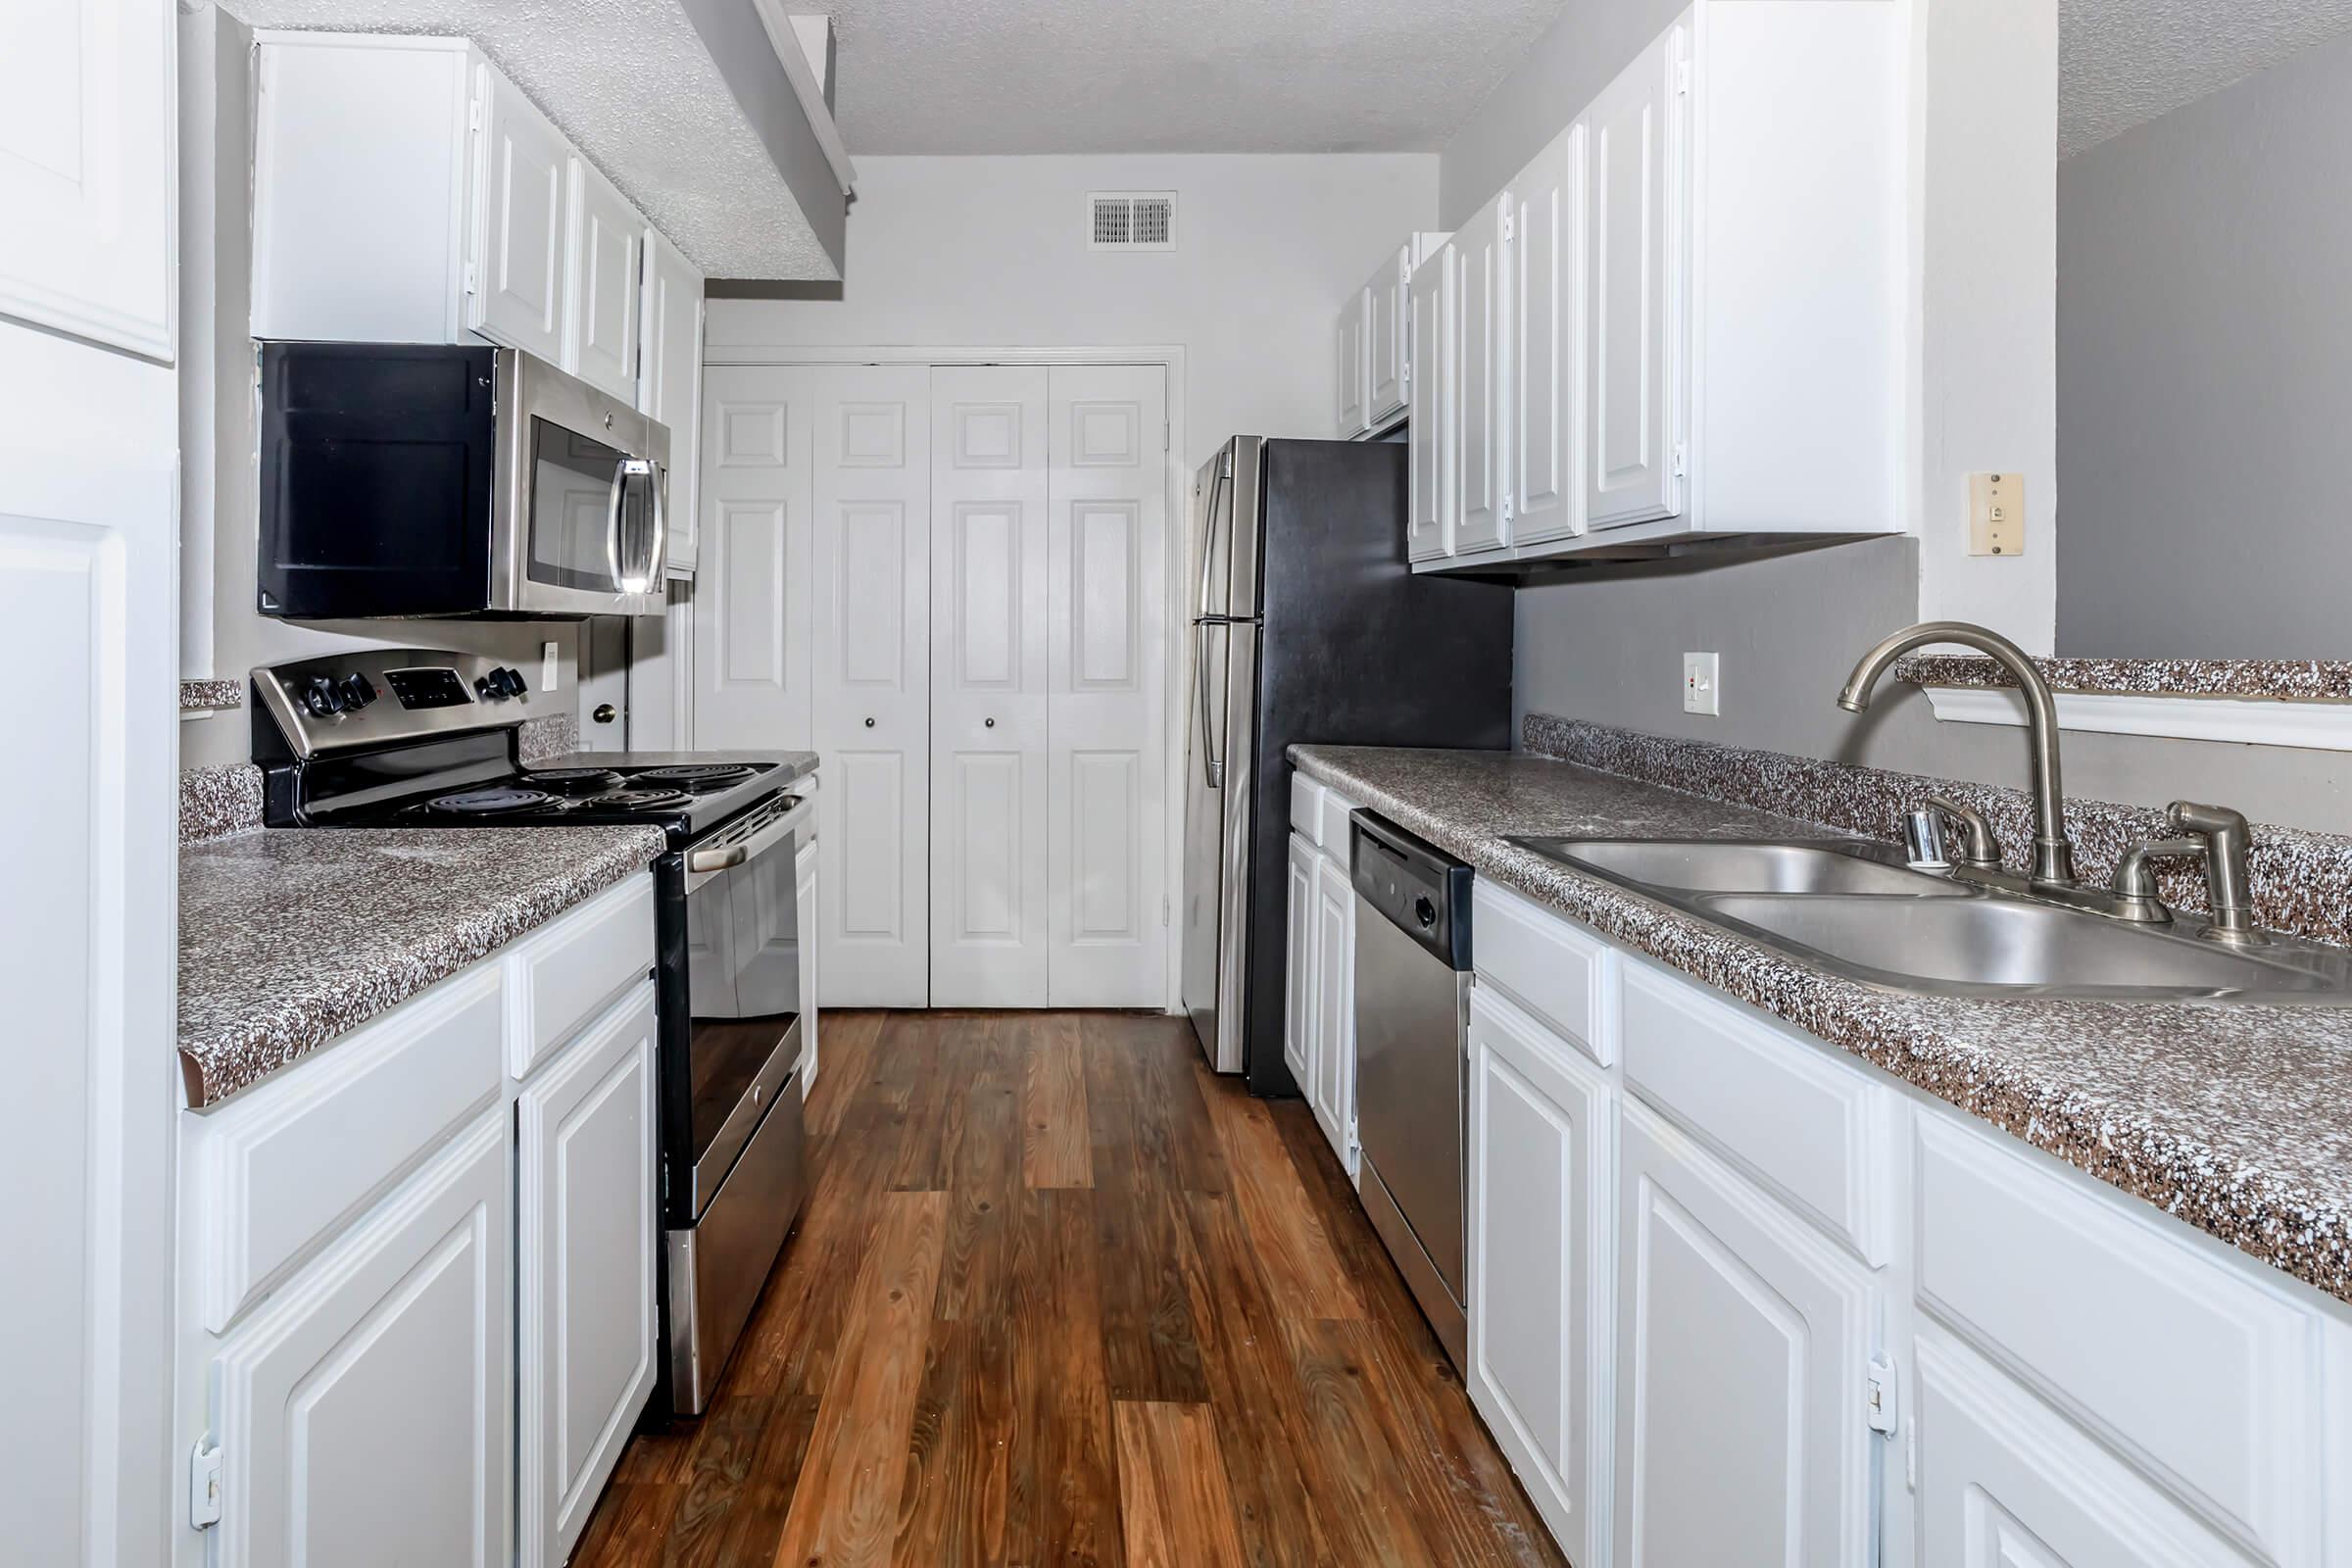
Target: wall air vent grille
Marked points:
1132	220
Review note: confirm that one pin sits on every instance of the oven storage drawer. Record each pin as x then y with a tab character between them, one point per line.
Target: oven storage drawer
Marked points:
568	971
718	1264
279	1172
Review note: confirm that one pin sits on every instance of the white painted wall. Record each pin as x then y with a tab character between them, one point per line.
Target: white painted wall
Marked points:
973	252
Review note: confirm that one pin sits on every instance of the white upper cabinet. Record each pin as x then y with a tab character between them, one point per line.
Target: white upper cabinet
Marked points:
1636	232
518	265
1429	433
1356	364
1695	320
602	319
86	90
1389	335
405	191
669	383
1545	425
1479	350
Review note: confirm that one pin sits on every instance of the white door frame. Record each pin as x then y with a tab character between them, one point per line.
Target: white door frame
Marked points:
1169	356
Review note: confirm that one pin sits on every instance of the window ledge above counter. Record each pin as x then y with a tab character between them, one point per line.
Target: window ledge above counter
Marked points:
2252	701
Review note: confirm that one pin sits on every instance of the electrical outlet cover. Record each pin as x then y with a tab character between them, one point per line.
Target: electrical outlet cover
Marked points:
1701	684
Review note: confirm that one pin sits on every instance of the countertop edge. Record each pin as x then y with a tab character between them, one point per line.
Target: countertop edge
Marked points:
332	1013
2056	1120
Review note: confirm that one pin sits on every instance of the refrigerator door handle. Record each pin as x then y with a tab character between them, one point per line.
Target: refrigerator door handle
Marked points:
1208	534
1212	770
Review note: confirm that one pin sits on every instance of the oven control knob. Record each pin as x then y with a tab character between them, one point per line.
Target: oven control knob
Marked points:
319	696
489	688
510	680
355	690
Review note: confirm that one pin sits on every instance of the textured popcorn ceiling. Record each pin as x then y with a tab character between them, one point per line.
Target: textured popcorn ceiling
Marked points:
630	82
1170	76
2122	63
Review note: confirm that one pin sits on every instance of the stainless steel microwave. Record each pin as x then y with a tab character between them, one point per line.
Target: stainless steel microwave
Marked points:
419	479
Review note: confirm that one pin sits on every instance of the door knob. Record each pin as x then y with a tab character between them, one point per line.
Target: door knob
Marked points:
605	714
990	722
869	723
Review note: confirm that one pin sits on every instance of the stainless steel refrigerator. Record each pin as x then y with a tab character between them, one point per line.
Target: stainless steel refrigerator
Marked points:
1308	626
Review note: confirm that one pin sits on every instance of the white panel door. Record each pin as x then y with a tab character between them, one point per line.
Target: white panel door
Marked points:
2006	1482
1481	352
600	319
754	598
1742	1353
86	170
1108	561
1543	1148
670	382
1430	439
990	600
872	482
523	223
87	489
1546	359
585	1180
1300	1046
1331	1088
368	1415
1356	364
1387	335
1636	234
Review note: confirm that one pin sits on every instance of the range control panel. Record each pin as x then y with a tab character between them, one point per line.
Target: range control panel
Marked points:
375	696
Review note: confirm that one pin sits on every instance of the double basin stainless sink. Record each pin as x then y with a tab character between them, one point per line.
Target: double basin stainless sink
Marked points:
1857	910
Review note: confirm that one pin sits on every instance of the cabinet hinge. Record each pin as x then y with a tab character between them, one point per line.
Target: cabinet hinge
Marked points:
470	277
1878	1397
1682	78
1681	458
1163	908
204	1483
474	112
1508	227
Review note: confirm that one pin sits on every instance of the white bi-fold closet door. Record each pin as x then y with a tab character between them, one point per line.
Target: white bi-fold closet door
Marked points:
951	582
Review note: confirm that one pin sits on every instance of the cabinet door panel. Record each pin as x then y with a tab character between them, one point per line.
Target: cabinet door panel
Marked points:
601	303
1388	331
1300	966
1547	360
1743	1343
584	1201
1356	364
1635	273
2005	1482
1541	1141
365	1415
1333	1090
1480	350
670	382
1430	435
525	226
805	888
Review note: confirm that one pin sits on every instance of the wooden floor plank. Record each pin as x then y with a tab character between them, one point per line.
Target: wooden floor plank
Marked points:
1055	1146
1174	1509
929	1375
845	1509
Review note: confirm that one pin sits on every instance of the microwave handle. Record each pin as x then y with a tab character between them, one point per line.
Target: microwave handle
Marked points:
635	469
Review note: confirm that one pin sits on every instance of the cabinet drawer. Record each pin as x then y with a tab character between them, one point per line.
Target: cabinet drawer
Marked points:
1333	833
1561	974
1307	805
278	1173
2207	1378
565	973
1812	1129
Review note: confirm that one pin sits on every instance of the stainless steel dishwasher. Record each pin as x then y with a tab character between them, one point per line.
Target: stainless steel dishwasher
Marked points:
1412	999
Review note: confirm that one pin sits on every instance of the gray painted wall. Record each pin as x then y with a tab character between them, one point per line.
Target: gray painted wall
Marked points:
1606	644
2205	377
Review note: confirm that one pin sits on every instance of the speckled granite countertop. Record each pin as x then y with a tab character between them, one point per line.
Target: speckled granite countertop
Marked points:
291	937
2297	680
2239	1119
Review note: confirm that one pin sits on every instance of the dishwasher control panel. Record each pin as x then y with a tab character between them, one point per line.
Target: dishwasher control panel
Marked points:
1414	886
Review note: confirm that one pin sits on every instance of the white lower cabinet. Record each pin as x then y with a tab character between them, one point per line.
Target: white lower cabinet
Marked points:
1542	1151
1333	1090
1743	1343
803	873
1735	1298
366	1414
1299	970
584	1247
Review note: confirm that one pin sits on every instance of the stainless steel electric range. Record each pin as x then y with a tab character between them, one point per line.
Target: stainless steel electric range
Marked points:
396	738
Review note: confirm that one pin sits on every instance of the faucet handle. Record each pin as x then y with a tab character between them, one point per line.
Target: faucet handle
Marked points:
1982	847
2134	886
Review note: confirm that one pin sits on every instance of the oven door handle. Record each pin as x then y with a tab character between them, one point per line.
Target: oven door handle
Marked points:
704	864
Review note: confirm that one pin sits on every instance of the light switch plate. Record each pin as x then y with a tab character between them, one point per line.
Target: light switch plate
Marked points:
1700	686
551	668
1997	514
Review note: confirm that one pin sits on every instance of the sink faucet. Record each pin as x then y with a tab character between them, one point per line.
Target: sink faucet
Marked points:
2053	854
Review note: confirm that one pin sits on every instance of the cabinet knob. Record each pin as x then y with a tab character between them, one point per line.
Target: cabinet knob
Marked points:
869	723
990	722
